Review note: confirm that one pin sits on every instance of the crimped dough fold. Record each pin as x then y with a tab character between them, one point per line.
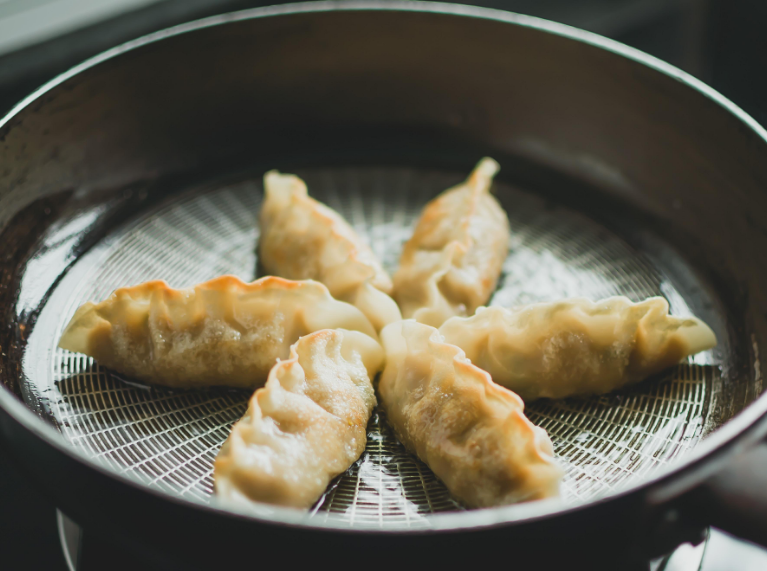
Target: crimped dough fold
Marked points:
576	346
221	332
451	264
306	426
471	432
302	238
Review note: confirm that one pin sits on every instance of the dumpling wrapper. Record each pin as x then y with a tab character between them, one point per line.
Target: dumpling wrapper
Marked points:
472	433
306	426
302	238
575	346
451	264
221	332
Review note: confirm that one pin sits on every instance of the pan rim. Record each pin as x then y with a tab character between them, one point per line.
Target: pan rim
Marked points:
744	429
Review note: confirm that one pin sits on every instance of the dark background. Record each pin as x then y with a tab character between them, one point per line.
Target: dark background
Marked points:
722	42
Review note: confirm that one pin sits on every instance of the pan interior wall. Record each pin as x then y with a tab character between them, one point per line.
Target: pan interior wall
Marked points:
169	438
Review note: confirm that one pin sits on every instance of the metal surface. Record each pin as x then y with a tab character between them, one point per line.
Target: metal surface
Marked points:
170	438
70	536
674	173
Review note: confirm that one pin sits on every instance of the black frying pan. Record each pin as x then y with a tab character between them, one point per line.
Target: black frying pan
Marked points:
620	174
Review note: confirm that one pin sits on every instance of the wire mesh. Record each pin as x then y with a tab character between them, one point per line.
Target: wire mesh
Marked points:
169	438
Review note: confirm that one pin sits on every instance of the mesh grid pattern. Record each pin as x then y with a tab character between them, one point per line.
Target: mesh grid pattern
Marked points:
169	438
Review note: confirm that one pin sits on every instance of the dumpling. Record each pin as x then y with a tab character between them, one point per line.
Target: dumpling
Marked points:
304	239
472	433
221	332
575	346
306	426
451	264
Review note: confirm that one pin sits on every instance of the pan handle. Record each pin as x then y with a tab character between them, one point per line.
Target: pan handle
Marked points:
735	498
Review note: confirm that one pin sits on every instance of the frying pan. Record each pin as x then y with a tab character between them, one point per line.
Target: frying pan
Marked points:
621	175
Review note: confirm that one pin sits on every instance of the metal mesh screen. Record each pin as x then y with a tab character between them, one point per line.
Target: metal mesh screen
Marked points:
169	438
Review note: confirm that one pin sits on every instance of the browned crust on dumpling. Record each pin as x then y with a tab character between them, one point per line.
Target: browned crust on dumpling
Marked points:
340	230
576	346
225	282
307	425
220	332
451	264
471	432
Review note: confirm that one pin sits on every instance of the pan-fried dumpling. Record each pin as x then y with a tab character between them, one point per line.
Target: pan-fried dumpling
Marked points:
306	426
221	332
471	432
453	260
575	346
304	239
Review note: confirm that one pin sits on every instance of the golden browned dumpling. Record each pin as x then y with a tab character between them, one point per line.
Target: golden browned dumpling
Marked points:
451	264
302	238
575	346
221	332
306	426
471	432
